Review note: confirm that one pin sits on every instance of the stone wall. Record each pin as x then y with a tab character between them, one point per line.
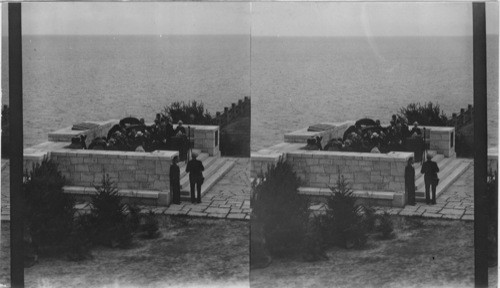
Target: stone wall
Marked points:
366	171
442	140
129	170
260	163
206	138
493	159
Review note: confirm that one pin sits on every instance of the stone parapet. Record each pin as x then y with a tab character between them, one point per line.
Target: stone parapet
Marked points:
129	170
206	138
493	159
442	139
364	171
260	162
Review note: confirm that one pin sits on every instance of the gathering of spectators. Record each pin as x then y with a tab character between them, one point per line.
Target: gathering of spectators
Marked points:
132	134
367	135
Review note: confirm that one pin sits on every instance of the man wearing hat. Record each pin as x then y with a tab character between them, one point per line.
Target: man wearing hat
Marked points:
430	170
180	129
195	168
175	185
415	131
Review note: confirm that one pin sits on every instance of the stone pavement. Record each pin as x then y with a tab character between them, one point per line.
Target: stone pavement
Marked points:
229	198
457	202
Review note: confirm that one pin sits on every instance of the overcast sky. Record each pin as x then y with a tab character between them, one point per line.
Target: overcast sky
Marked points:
262	18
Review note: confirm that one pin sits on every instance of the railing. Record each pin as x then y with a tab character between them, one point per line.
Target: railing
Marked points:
233	112
464	118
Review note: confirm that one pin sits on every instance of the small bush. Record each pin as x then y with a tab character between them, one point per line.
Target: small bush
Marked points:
109	217
346	223
278	206
429	114
150	227
190	113
79	241
48	212
314	242
385	226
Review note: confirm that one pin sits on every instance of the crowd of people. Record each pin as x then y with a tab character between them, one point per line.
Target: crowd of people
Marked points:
132	134
367	135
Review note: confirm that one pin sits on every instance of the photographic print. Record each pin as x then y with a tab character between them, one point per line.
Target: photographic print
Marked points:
363	144
136	121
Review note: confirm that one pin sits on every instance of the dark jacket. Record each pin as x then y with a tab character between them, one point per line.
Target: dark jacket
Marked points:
194	168
181	129
175	173
430	170
410	177
169	133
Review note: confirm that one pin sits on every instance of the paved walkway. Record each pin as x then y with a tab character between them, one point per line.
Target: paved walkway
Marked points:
229	198
457	202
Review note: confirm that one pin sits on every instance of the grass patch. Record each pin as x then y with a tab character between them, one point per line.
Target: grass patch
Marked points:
424	253
189	252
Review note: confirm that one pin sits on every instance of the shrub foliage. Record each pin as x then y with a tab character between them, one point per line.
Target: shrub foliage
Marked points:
190	113
109	216
48	211
279	208
429	114
346	223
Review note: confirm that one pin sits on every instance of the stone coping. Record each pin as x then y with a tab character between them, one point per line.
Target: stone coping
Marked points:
118	154
122	192
44	147
313	191
68	131
493	152
271	156
392	156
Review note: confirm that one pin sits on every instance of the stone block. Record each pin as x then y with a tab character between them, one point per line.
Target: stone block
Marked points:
76	160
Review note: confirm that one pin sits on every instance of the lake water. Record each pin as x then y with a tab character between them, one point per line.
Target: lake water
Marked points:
293	82
297	82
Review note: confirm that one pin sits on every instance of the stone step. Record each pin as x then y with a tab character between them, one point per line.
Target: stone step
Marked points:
211	180
203	157
445	182
209	171
444	171
207	162
442	164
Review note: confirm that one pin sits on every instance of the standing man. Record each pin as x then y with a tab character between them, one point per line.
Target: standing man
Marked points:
430	170
410	182
175	181
194	167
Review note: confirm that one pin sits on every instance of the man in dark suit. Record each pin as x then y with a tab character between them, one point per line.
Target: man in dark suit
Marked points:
175	184
195	168
430	170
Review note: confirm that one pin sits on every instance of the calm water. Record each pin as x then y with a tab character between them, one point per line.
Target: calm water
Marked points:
293	82
299	82
71	79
